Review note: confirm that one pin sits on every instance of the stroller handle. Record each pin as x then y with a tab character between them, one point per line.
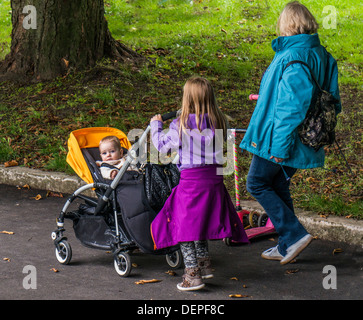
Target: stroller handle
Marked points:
169	115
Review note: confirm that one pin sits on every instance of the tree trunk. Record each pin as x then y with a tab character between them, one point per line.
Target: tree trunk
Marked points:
65	34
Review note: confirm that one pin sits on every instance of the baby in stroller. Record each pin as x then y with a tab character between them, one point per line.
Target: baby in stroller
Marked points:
112	156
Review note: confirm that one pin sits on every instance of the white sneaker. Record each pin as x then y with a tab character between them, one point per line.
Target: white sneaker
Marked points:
294	250
272	254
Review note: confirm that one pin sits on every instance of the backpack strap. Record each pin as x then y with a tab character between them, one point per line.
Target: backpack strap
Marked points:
306	65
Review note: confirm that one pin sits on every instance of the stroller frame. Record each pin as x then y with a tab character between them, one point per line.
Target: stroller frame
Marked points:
121	243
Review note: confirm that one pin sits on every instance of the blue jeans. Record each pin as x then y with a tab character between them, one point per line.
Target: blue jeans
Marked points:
267	182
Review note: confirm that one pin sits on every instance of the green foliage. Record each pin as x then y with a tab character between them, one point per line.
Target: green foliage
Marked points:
5	28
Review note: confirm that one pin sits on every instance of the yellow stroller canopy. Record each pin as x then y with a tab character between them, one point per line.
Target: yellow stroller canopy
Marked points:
89	138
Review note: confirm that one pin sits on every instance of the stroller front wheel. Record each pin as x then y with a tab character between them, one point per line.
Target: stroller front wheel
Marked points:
122	263
63	252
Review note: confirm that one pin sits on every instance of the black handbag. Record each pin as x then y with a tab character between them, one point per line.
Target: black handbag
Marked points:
318	127
159	180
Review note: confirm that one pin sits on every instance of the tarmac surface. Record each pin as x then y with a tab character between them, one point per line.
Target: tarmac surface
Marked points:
29	270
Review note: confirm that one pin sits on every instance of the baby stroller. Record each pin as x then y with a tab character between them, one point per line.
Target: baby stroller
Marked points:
119	218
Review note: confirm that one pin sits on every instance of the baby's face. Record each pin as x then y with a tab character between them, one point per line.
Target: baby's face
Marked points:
109	152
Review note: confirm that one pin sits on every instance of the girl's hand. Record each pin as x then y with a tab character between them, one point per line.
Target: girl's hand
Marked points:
156	118
278	160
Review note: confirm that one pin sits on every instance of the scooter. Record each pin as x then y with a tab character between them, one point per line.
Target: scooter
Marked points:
255	223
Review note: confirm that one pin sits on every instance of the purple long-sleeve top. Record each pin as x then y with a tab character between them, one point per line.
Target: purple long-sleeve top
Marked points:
195	148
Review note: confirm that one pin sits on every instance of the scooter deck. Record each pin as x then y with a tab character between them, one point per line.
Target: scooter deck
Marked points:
254	232
259	231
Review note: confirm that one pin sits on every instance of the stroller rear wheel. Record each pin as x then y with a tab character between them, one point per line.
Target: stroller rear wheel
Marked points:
174	259
122	263
63	252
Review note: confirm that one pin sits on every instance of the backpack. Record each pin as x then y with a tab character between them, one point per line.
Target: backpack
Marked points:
318	127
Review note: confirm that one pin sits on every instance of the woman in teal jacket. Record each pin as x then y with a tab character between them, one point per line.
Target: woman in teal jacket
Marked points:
284	98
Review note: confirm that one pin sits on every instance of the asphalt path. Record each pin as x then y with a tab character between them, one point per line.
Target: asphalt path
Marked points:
29	269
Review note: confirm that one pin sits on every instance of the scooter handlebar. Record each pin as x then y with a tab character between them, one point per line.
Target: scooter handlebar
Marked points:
240	130
253	96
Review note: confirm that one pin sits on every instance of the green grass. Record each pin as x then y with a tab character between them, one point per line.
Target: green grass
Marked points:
229	42
5	28
192	31
335	205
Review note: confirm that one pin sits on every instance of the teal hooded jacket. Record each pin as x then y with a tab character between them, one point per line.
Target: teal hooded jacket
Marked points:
285	96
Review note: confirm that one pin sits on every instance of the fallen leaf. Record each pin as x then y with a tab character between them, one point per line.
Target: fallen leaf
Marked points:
54	194
7	259
171	273
147	281
291	271
38	197
234	278
26	186
238	295
7	232
134	265
337	250
66	62
11	163
54	270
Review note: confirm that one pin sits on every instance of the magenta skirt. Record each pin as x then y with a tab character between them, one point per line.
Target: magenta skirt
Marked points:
199	208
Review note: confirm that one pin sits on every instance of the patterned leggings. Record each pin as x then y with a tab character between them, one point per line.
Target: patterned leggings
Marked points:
192	250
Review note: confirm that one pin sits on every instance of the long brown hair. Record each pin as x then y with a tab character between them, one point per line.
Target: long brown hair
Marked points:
199	98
